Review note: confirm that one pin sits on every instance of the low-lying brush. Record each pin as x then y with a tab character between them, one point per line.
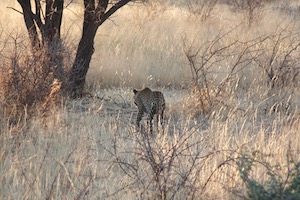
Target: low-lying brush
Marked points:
232	122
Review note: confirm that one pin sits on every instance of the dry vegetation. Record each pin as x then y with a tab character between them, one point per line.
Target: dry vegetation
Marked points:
232	119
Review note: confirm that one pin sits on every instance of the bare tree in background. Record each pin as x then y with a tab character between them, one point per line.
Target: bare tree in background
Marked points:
44	24
202	8
251	8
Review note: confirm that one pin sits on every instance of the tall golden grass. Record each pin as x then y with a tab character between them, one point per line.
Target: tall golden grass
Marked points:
90	149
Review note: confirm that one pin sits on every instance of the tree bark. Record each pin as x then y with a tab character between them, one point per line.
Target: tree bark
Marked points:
82	61
44	27
49	30
29	22
94	16
44	32
54	11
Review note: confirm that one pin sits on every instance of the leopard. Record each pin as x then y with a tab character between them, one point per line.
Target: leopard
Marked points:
150	102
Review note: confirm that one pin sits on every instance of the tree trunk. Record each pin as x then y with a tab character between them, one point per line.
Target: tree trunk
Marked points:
85	49
94	16
53	19
44	31
29	22
82	60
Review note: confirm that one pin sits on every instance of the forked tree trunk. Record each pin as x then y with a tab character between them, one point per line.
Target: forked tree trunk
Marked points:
44	27
44	32
29	22
94	16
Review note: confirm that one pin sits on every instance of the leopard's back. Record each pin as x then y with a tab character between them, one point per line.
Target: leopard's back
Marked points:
143	100
151	102
158	102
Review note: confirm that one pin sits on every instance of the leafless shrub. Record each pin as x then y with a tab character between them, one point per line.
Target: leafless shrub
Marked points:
251	8
27	76
217	70
163	167
201	8
279	57
206	64
154	8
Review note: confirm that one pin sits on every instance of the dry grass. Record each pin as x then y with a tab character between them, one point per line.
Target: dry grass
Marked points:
90	149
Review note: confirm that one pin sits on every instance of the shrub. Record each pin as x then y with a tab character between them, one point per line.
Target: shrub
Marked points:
275	186
28	78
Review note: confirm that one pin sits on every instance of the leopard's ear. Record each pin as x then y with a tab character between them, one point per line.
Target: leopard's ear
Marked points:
134	91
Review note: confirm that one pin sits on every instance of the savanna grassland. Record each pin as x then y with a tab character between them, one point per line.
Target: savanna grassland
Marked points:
232	124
